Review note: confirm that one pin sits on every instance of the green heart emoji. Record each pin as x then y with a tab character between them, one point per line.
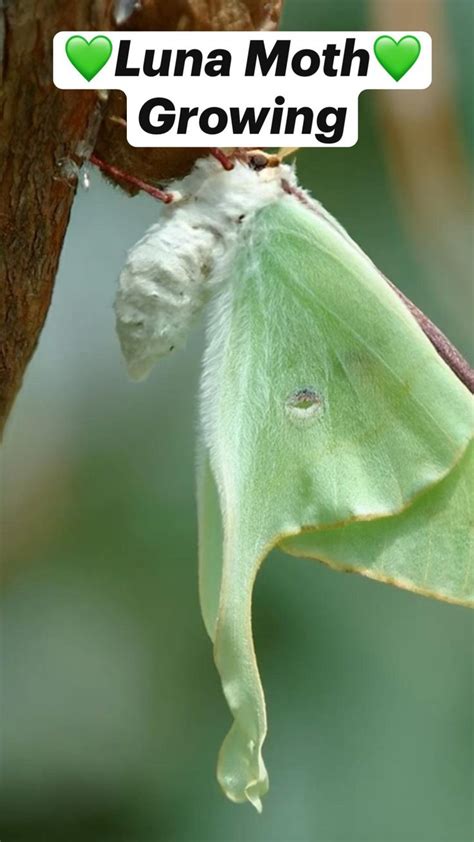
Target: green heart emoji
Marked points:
397	58
88	57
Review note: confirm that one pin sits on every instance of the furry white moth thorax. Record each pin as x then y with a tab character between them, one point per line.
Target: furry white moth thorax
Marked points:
174	269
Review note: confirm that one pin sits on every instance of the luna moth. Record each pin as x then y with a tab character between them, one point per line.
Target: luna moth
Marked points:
328	425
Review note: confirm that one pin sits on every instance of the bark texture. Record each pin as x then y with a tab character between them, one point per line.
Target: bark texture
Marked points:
43	131
46	133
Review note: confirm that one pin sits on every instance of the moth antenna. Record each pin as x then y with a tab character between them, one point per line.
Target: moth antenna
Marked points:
115	172
286	151
223	159
257	159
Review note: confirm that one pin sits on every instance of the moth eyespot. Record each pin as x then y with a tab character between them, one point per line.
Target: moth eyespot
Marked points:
304	405
241	217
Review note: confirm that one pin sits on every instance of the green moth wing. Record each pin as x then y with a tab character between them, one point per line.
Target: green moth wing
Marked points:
329	425
427	548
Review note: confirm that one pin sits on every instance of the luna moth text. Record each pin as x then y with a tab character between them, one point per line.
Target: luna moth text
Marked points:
158	115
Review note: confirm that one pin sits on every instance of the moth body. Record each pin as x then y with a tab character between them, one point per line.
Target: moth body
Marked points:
174	269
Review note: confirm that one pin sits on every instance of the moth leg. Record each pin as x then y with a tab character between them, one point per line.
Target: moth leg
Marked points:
116	173
223	159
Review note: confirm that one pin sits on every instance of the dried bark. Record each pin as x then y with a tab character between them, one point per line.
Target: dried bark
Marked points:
161	164
45	133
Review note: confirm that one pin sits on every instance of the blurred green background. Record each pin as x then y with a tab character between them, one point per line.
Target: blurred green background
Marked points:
112	709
